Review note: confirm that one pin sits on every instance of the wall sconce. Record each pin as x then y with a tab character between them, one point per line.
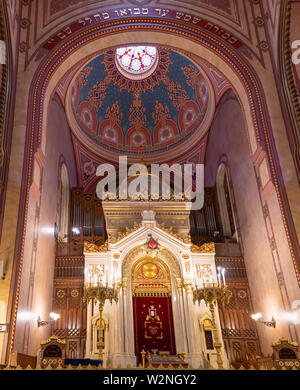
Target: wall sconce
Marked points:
54	317
257	317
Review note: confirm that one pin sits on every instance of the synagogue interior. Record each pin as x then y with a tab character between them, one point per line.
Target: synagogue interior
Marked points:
150	280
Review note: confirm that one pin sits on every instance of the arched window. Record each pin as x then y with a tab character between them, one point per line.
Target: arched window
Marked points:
64	197
136	61
225	204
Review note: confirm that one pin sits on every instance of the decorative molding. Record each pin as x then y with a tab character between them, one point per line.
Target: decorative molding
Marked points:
35	192
267	191
289	88
90	247
4	97
258	156
40	158
284	340
53	338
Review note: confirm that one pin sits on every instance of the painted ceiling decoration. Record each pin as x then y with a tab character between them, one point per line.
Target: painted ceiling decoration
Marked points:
161	104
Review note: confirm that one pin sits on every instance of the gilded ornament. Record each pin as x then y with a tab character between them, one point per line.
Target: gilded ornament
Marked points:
169	230
152	197
242	294
93	248
74	293
121	235
285	340
61	293
208	247
53	338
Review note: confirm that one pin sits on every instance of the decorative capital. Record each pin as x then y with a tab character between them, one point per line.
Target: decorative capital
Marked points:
188	287
179	285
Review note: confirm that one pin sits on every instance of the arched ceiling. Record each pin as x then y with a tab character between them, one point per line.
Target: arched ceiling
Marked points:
113	112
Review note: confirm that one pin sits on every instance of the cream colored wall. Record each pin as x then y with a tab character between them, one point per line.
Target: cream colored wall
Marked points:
228	142
38	268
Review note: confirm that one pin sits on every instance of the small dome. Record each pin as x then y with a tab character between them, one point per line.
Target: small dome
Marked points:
159	107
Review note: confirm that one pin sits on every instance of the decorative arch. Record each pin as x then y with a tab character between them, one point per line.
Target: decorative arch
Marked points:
64	205
150	276
162	255
138	137
76	49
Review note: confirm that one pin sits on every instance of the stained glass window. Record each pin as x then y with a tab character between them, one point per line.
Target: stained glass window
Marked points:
136	60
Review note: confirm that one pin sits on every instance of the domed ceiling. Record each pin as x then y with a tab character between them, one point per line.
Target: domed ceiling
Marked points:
137	100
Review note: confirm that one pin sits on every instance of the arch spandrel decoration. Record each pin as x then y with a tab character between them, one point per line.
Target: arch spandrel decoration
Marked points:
162	255
150	278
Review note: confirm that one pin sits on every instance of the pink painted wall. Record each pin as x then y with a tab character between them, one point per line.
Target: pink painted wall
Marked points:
13	14
228	141
39	253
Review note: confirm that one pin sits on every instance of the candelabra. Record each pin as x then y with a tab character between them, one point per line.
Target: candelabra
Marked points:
211	294
101	293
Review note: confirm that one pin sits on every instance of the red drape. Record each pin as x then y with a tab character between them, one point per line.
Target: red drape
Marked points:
153	325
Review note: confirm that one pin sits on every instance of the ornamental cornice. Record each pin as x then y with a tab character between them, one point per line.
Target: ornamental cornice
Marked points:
284	340
53	338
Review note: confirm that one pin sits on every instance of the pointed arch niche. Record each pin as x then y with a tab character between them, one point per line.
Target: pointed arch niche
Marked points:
227	217
64	202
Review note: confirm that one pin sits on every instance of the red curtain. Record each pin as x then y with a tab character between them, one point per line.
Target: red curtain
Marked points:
153	325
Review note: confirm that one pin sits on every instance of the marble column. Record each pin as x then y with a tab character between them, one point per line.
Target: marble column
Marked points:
182	316
194	355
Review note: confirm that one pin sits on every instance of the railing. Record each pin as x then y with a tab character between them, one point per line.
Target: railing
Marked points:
266	364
